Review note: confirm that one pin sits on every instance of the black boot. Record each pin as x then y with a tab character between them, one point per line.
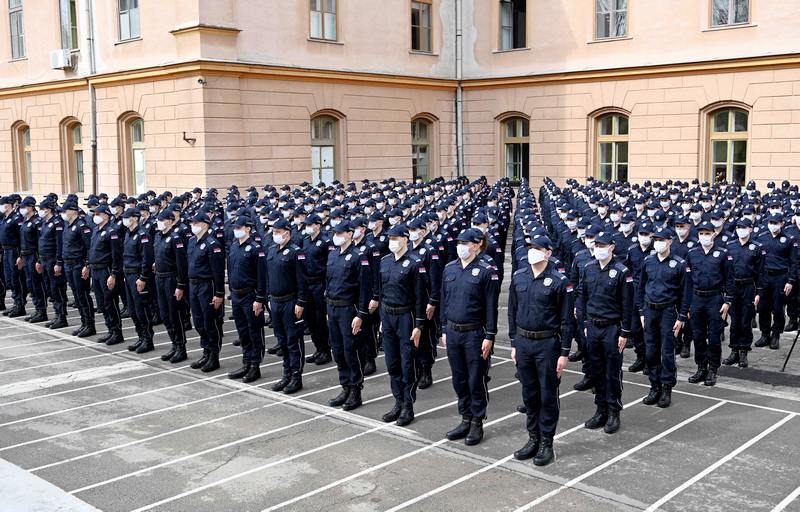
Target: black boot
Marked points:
324	358
763	341
125	313
369	367
274	349
17	312
212	363
522	409
295	385
637	365
599	419
135	345
699	375
168	355
146	346
583	385
775	341
253	374
426	379
653	396
461	431
313	357
743	359
666	397
80	329
475	434
180	354
686	349
791	326
530	449
59	323
575	356
87	331
241	372
341	398
281	384
393	413
105	337
39	316
711	378
406	415
354	400
115	339
731	359
613	422
237	342
545	455
202	361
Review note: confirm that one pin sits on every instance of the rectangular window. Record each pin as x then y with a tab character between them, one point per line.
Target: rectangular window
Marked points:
323	19
729	12
128	19
512	24
77	151
69	24
421	26
611	18
17	29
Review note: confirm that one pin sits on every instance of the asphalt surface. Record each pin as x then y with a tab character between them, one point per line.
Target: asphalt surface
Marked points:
86	425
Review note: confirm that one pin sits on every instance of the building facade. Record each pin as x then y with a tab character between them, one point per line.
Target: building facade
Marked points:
130	95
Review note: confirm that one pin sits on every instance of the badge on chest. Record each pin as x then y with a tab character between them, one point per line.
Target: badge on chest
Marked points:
673	264
348	257
612	273
476	271
547	281
406	263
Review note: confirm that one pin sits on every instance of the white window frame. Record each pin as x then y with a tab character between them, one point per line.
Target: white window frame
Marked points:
424	29
129	20
609	11
323	150
615	140
730	138
323	20
508	26
730	5
16	25
68	10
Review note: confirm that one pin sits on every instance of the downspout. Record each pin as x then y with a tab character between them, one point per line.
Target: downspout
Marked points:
92	94
459	92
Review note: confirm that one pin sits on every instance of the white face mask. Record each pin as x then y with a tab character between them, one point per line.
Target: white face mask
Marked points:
125	222
682	232
308	208
263	220
97	219
152	209
774	228
717	222
24	211
664	204
395	246
571	224
42	214
535	256
706	240
358	233
626	227
308	230
64	217
615	217
196	229
602	210
414	235
339	240
660	246
601	253
742	233
379	206
706	205
589	243
278	239
686	207
335	223
371	225
644	239
650	212
239	233
695	215
462	251
393	221
581	232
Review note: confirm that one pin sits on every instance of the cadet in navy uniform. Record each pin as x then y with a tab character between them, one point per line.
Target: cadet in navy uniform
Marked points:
76	240
29	245
470	289
169	247
104	265
50	258
371	323
540	325
206	275
607	289
247	279
747	255
709	286
663	313
777	280
10	223
403	298
348	293
137	265
287	289
316	248
634	261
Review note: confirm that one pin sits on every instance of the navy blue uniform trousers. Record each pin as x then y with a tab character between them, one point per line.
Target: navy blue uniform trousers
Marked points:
289	331
470	371
536	369
347	349
401	360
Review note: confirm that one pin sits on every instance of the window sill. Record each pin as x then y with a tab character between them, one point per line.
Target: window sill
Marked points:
125	41
420	52
324	41
730	27
19	59
512	50
609	39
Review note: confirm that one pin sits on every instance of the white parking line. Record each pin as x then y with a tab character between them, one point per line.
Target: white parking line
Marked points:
491	466
304	453
719	463
787	500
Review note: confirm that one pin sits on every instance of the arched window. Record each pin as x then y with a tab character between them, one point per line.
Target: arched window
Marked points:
23	161
612	147
728	145
72	155
323	149
421	148
133	173
516	147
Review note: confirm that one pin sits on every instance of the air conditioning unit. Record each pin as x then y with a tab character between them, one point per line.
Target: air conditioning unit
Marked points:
62	59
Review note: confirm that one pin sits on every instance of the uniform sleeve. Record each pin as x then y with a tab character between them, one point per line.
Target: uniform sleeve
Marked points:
216	259
581	297
435	263
182	263
59	229
420	294
760	271
512	311
261	274
86	238
301	269
365	288
686	290
794	263
375	267
443	302
728	282
492	295
115	243
628	313
146	246
567	319
640	288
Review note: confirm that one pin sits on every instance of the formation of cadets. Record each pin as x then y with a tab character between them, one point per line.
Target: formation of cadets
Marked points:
403	268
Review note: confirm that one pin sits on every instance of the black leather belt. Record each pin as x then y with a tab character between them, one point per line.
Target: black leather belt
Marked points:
131	271
744	281
338	303
536	335
775	272
9	247
199	281
603	322
392	310
166	274
242	291
283	298
25	253
707	293
73	262
463	327
315	280
659	305
97	266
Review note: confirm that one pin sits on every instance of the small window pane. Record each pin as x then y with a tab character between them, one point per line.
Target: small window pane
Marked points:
720	172
606	124
739	151
79	170
622	172
622	152
524	123
76	135
316	24
742	11
137	129
605	172
739	174
719	12
740	121
721	122
720	151
622	125
330	6
606	152
620	24
26	138
330	26
511	129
